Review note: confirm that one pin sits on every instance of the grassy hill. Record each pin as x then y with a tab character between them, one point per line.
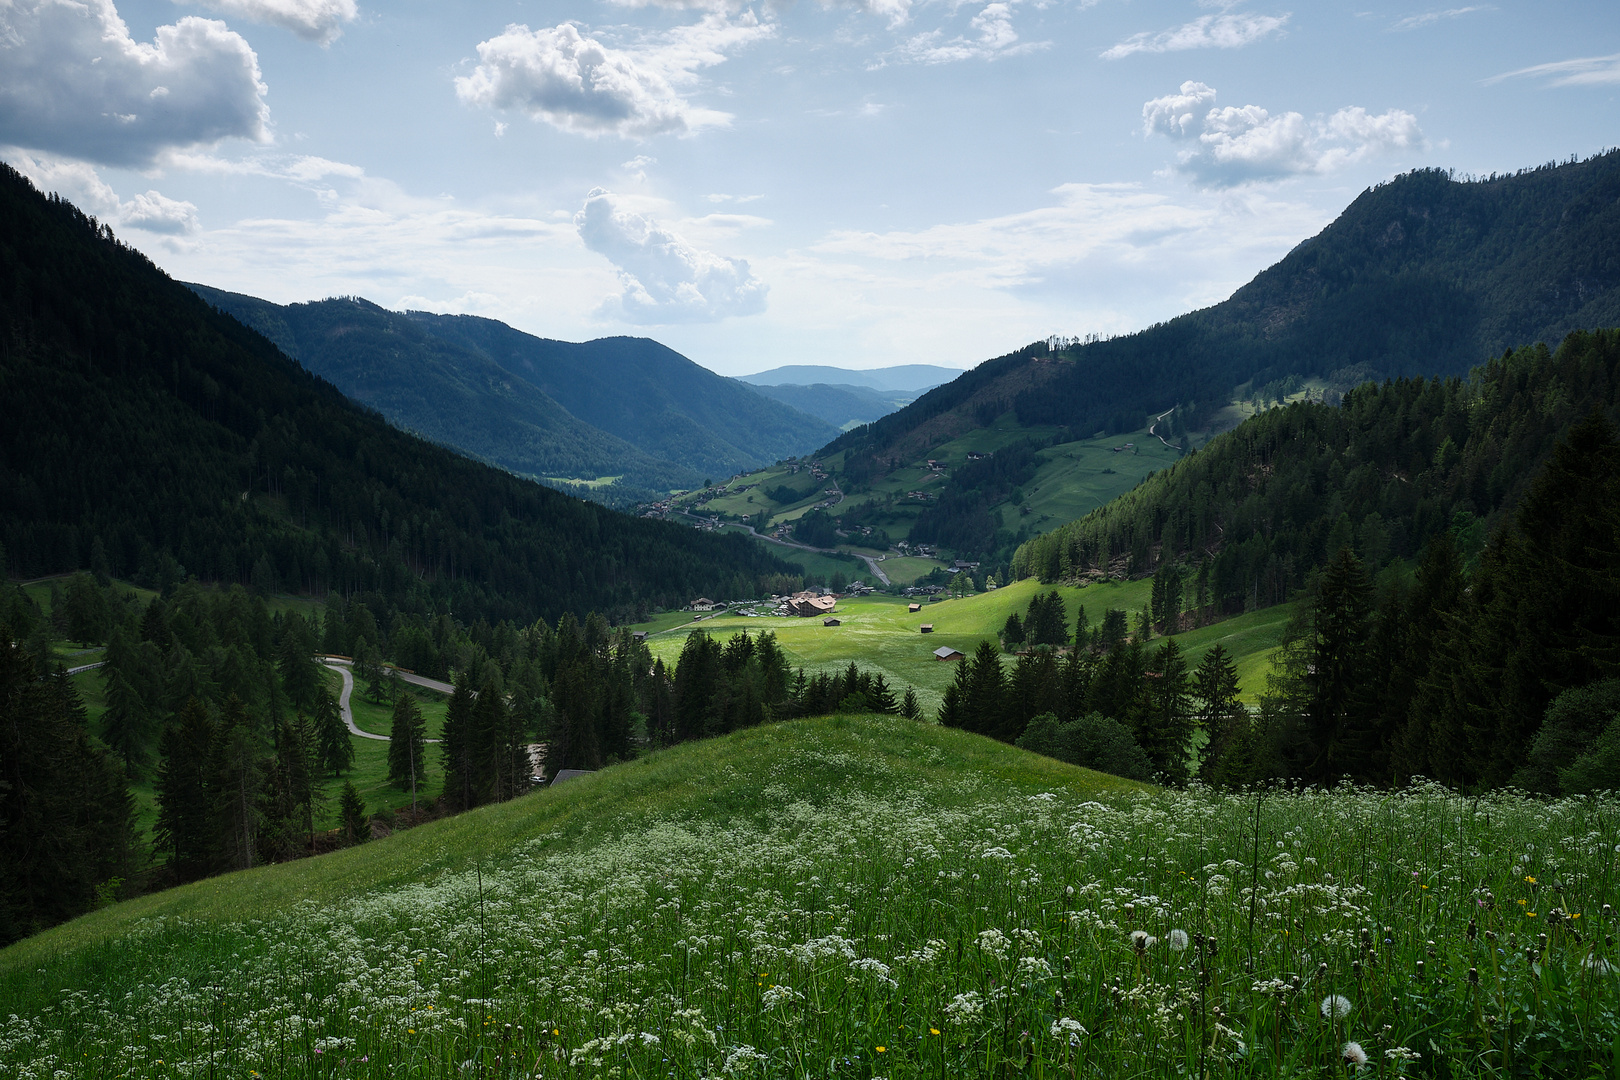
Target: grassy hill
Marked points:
854	894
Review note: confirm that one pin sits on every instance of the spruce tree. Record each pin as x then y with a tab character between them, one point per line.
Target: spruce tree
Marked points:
986	690
352	809
334	749
1224	719
407	746
1339	710
1165	724
186	828
458	747
908	705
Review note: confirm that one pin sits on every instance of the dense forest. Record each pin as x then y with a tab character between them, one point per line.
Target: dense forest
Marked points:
220	705
1258	509
1500	669
154	438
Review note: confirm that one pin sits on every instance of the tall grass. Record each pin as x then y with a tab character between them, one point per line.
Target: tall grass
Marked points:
874	898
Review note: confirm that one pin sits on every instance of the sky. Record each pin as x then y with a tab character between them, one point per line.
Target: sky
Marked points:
851	182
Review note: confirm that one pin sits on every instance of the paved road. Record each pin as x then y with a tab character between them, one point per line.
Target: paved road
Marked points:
342	668
1153	426
85	667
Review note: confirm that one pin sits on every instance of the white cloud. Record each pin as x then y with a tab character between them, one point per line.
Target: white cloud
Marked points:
80	184
158	213
1587	71
1177	114
1429	18
664	278
578	84
76	83
320	21
993	36
1246	144
1225	31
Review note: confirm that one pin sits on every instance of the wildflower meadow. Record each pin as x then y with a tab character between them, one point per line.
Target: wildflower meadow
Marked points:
857	898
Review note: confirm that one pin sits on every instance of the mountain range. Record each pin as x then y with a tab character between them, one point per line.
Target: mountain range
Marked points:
628	411
150	436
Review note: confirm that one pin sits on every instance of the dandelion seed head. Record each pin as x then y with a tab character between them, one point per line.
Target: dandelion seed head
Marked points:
1177	940
1335	1007
1353	1054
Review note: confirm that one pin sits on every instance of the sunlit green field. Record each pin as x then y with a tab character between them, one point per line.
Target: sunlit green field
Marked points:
866	896
879	634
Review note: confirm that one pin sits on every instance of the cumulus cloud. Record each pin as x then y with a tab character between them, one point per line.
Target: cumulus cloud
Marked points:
80	184
77	84
1232	145
993	36
1429	18
320	21
1224	31
1177	114
664	278
1587	71
578	84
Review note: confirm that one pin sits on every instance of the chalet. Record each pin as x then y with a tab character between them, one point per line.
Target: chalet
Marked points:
913	607
702	603
974	455
927	628
831	622
638	635
945	652
808	603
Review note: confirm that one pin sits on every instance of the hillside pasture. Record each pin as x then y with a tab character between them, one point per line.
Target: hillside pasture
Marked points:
866	896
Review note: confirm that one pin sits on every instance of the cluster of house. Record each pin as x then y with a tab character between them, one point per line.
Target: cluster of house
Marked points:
905	547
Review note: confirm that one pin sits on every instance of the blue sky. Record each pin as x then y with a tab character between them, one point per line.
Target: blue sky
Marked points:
851	182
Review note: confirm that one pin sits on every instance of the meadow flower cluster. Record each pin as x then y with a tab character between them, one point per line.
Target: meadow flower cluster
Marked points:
955	928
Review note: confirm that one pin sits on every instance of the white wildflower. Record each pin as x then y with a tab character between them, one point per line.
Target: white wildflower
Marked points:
1353	1054
742	1060
778	995
1401	1054
994	942
965	1008
1335	1007
1178	940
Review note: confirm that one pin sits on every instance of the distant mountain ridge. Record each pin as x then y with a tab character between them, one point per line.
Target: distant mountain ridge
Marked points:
620	407
453	396
900	377
840	405
645	393
1426	274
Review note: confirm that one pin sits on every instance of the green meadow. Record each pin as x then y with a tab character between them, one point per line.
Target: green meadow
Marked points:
864	896
880	634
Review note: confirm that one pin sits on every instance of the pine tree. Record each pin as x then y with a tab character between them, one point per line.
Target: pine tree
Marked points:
458	747
1165	725
300	675
334	749
986	690
1339	726
880	698
1224	719
407	747
236	782
126	726
1012	634
352	809
908	705
186	827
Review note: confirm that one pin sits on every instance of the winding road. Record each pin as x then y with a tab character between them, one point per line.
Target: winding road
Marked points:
344	668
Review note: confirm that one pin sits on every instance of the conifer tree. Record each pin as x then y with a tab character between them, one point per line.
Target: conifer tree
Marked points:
986	688
352	809
407	746
334	750
458	747
1224	719
1165	724
1339	722
908	705
236	781
186	826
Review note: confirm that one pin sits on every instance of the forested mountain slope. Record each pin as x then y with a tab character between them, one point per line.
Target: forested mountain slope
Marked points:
645	393
1385	472
148	435
1420	276
448	393
838	404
